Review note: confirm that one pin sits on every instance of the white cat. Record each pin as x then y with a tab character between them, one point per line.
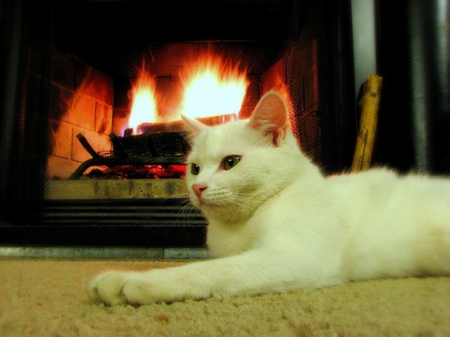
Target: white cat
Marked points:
276	223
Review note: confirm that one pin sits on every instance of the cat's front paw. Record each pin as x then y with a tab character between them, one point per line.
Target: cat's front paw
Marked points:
158	285
108	288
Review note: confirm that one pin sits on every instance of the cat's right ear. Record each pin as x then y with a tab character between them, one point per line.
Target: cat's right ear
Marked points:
194	126
270	117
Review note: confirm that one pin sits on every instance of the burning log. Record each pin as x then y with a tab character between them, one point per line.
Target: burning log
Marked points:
180	126
118	148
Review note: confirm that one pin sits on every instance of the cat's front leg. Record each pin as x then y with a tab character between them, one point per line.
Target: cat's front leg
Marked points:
254	272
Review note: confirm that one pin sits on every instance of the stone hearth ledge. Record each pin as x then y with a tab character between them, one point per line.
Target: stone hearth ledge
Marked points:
116	189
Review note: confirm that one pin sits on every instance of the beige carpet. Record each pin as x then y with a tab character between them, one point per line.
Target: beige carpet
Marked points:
48	298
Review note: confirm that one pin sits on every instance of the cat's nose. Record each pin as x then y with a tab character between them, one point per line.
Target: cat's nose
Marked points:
198	189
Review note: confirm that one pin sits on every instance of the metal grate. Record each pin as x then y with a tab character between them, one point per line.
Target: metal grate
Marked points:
118	223
150	212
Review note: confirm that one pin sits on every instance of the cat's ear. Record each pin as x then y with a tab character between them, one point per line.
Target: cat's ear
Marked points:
270	117
194	126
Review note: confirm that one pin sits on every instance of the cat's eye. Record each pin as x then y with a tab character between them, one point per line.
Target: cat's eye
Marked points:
230	161
195	169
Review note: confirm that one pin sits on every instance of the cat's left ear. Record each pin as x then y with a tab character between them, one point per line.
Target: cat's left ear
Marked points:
270	117
195	127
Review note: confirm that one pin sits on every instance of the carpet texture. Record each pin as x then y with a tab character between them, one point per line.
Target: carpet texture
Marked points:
48	298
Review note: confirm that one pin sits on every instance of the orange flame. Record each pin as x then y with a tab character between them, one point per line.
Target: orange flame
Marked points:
143	108
214	88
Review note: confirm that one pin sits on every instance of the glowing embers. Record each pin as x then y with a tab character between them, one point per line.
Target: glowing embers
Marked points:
172	171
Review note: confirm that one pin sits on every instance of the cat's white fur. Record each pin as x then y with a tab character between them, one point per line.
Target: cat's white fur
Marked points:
276	223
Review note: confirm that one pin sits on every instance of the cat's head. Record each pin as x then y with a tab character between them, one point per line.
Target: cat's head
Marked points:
235	167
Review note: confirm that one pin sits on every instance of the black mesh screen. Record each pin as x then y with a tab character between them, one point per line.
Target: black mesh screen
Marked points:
321	82
25	154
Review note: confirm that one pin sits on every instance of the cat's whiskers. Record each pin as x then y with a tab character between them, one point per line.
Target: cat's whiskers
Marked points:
187	210
235	208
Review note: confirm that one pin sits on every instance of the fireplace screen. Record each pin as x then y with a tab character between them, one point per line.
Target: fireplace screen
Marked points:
92	140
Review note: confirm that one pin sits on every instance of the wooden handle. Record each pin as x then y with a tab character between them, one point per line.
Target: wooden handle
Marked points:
368	125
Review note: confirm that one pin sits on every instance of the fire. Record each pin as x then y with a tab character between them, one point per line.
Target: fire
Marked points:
214	88
143	108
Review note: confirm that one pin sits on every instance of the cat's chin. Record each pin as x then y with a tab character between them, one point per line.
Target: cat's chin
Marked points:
203	206
206	207
223	213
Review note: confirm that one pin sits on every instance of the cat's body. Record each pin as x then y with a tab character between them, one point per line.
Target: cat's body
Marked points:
276	223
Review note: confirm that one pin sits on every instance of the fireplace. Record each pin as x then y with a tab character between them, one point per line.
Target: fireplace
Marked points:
67	104
73	104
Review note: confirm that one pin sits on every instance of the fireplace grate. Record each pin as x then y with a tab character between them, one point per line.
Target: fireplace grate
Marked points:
152	212
124	222
160	148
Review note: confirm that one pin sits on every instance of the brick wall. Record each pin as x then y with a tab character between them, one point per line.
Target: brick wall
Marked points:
81	102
